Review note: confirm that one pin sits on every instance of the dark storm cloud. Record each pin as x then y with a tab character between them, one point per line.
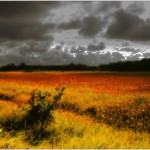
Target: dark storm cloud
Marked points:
90	26
20	20
4	60
93	47
30	53
9	9
128	26
97	7
103	9
24	31
9	44
72	24
136	8
34	47
107	5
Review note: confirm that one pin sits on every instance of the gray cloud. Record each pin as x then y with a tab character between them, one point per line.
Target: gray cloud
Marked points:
130	27
128	49
136	8
64	58
87	27
124	44
4	60
99	7
97	59
10	44
91	26
24	31
27	29
80	49
27	9
20	20
72	24
83	55
29	52
116	56
35	53
93	47
107	5
36	48
134	57
147	55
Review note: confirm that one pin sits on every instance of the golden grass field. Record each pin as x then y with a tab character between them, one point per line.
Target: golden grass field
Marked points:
97	109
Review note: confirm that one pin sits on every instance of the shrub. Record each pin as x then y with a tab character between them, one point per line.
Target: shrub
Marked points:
41	106
139	101
38	112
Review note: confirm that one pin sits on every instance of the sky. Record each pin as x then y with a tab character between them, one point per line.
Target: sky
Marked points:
64	32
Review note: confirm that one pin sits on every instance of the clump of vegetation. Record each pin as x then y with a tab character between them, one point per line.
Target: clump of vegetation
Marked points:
7	95
38	112
139	101
134	116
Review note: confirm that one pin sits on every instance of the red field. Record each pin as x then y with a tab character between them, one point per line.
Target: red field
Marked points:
120	100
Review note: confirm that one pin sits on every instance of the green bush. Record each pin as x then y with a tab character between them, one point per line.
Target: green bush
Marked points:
41	106
38	112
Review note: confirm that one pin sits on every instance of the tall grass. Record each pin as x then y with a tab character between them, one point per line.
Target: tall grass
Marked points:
37	112
96	111
74	131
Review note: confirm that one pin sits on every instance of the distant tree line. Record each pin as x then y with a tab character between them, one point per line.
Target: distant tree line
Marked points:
139	65
69	67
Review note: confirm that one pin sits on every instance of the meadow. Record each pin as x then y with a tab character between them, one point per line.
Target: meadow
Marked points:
95	110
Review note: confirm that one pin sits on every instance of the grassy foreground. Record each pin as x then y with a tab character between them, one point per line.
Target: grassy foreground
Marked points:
74	131
96	111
